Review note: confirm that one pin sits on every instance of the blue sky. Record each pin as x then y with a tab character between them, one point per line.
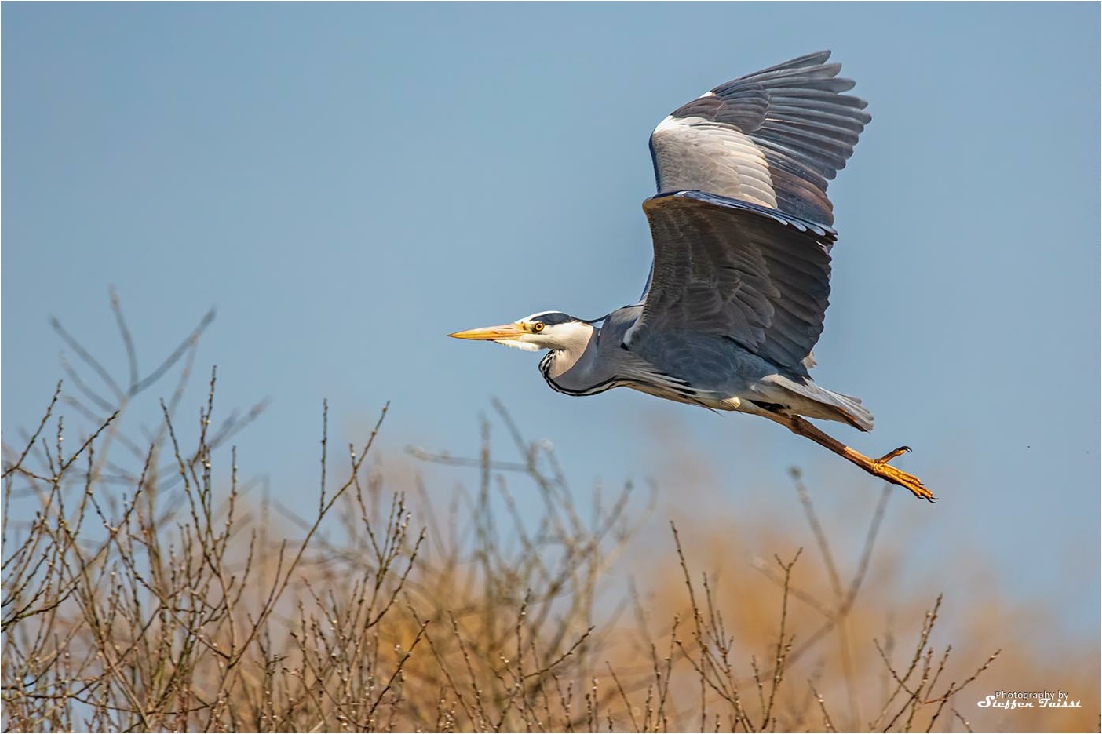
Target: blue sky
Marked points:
349	183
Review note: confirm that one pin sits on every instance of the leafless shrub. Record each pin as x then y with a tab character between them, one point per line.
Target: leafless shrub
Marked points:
150	587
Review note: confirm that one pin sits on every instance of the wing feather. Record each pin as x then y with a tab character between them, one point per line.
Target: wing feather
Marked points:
772	138
724	266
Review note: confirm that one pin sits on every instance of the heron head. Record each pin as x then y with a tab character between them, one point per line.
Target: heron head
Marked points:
543	330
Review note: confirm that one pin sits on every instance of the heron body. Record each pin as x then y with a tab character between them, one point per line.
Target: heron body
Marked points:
742	230
699	369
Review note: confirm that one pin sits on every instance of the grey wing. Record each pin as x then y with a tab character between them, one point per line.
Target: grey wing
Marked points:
736	269
772	138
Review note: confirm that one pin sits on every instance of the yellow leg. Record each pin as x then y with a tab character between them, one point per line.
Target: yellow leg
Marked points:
878	467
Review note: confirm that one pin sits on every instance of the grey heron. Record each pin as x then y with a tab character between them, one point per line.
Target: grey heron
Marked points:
742	233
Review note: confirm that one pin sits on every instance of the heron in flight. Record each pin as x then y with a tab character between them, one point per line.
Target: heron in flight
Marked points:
738	289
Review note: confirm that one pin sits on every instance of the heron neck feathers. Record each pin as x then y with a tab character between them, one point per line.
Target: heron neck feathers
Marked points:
574	369
572	348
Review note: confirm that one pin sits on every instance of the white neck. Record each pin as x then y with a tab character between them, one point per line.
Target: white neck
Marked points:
572	367
570	343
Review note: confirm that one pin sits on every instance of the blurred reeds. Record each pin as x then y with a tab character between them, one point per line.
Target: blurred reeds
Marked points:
149	587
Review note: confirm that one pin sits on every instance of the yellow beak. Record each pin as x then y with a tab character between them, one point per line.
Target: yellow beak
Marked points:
489	333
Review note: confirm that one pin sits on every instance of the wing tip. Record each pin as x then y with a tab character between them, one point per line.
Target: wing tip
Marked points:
815	58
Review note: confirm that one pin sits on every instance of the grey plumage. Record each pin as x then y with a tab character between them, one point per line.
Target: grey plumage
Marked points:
742	233
791	125
725	267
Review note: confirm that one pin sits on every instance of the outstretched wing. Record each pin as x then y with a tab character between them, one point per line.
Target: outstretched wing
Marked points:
736	269
772	138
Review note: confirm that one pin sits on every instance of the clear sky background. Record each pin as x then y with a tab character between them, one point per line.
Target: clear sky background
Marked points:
349	183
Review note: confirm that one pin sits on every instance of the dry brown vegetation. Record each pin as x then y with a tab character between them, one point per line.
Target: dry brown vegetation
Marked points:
152	588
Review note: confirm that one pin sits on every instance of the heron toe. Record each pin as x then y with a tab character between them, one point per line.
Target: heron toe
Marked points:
908	481
894	453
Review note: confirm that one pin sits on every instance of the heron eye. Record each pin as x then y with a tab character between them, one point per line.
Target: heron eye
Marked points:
537	327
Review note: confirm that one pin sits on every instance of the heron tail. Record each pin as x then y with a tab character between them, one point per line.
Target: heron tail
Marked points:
856	415
818	402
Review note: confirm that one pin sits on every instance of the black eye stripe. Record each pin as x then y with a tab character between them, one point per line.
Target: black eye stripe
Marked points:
553	319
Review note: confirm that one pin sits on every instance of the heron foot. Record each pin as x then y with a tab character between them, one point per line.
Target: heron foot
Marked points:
877	467
884	470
